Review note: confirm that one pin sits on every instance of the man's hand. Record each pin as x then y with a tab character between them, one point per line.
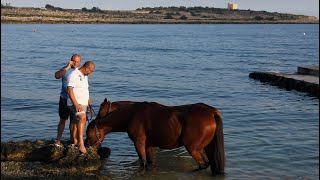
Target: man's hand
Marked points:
63	70
78	108
70	64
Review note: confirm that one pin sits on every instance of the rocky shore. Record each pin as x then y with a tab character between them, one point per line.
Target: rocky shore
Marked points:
172	15
41	159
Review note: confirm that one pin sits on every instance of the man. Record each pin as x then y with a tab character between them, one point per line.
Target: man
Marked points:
64	110
79	100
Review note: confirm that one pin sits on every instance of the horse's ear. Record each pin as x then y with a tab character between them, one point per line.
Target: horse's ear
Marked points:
105	99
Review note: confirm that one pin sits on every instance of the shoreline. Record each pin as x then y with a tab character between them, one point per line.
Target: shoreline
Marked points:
172	15
143	22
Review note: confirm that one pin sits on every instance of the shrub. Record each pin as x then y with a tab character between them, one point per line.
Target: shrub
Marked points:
270	18
193	14
95	9
168	16
48	6
183	17
258	18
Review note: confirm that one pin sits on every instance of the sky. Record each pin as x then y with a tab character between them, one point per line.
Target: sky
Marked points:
301	7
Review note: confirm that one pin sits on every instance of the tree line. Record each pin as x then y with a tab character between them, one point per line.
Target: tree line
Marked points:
94	9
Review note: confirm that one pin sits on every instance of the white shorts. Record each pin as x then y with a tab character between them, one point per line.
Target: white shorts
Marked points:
75	114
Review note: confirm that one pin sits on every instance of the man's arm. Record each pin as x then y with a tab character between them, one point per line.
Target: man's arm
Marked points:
63	70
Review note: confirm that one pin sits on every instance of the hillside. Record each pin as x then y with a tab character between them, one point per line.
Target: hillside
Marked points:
160	15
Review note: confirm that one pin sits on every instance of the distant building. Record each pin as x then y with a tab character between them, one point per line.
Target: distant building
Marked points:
232	6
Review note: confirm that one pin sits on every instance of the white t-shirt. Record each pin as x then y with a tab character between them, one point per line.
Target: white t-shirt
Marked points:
64	92
80	85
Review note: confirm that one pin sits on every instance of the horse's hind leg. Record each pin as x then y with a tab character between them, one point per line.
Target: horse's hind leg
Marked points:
149	152
199	158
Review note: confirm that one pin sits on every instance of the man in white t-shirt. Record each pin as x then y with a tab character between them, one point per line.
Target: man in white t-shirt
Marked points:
64	110
78	101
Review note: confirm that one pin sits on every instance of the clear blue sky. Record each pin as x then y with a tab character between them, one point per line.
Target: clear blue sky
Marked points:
304	7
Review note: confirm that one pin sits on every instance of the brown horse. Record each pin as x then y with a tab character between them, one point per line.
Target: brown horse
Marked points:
198	127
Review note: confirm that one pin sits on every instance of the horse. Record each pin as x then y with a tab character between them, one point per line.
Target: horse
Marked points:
198	127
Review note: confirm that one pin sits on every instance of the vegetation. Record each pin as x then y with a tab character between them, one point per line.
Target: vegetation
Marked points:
183	17
168	16
259	18
94	9
50	7
208	15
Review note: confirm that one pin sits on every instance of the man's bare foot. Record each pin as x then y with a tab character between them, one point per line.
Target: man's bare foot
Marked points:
75	142
57	142
83	150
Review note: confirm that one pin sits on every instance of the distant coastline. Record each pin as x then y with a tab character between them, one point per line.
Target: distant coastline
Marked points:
158	15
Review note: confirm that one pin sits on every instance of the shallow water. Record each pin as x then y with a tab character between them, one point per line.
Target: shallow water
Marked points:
270	133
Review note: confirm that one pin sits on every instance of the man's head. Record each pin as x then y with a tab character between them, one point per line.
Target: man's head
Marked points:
76	58
88	68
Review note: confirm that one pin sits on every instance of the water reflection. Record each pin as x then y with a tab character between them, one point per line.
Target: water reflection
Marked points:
168	164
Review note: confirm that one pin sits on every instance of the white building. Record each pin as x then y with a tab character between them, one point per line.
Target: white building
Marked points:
232	6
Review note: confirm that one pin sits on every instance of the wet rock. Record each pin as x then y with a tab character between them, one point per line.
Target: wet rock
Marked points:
39	170
39	150
16	151
41	159
86	162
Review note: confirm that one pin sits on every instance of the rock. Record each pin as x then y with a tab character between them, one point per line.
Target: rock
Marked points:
39	170
41	159
16	151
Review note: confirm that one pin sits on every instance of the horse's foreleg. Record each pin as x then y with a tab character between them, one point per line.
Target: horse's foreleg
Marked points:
141	150
149	151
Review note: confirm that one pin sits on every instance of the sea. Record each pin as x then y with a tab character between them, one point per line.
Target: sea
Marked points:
269	132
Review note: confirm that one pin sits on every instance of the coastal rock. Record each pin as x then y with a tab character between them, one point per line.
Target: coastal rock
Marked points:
42	159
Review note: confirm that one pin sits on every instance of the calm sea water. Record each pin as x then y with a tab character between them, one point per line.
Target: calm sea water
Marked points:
270	133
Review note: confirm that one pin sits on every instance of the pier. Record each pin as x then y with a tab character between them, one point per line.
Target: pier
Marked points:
306	79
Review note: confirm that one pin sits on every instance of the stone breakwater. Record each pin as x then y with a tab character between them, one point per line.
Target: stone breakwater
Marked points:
41	159
306	80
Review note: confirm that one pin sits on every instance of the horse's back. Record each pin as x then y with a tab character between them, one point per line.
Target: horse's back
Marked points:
168	126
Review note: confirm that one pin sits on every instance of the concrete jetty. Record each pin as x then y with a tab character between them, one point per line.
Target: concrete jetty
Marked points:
306	79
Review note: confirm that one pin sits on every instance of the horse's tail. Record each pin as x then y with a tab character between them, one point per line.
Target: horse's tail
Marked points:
215	149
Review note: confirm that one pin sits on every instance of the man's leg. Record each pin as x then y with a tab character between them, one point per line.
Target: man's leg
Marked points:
73	128
80	127
63	113
70	129
60	129
74	132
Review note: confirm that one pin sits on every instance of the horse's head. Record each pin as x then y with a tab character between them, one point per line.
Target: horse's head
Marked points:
104	109
93	136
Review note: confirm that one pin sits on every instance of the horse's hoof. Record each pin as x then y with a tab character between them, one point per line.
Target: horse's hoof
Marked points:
204	166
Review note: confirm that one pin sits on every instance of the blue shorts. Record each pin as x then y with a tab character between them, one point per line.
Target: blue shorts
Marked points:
64	110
